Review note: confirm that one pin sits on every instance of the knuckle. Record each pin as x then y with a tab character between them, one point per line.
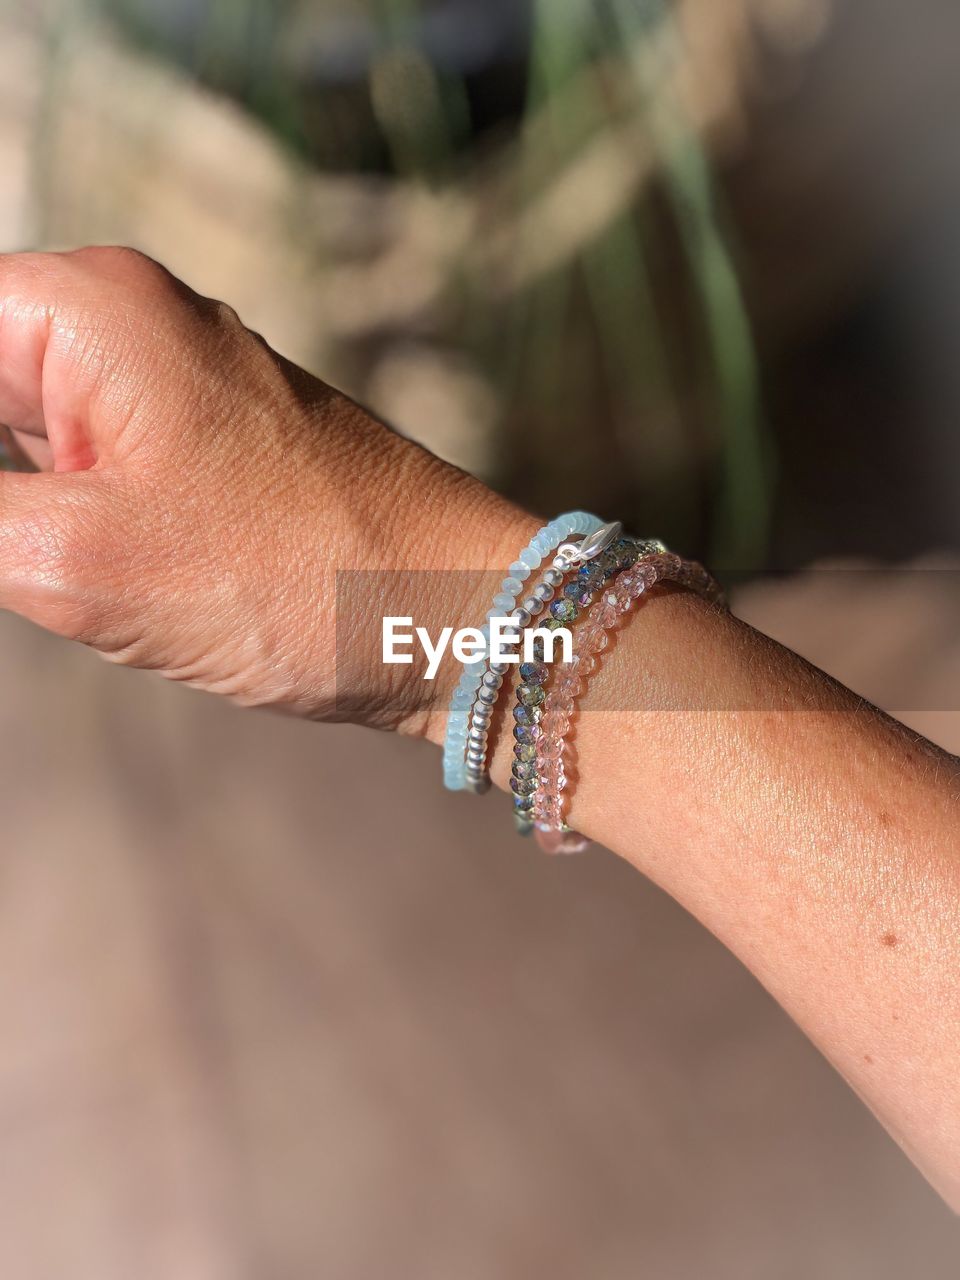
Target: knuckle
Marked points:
118	264
223	320
117	281
227	317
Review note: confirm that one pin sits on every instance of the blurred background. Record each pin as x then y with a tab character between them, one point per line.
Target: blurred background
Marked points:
696	264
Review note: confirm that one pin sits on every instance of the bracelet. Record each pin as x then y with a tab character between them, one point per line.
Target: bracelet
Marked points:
531	691
631	584
473	700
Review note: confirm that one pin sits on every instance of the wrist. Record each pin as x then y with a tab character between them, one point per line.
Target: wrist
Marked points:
418	539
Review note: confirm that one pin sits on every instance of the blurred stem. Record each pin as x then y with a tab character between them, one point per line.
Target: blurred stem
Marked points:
743	519
62	21
742	530
421	113
558	54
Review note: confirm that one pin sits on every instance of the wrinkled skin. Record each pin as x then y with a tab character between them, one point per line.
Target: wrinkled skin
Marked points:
199	492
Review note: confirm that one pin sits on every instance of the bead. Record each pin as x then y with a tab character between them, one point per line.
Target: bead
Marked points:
564	610
607	612
523	616
570	688
533	606
590	634
525	733
607	562
554	842
492	679
500	669
519	572
544	592
534	672
553	577
670	564
527	715
552	776
523	786
553	624
530	558
525	751
549	749
511	586
504	601
476	757
522	804
531	695
524	770
488	696
627	553
576	592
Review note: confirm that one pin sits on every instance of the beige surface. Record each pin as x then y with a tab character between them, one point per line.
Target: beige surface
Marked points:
269	1008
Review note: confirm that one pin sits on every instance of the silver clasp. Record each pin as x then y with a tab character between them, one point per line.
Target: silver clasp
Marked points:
591	546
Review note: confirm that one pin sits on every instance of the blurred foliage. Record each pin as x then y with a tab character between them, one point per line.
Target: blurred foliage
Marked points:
646	305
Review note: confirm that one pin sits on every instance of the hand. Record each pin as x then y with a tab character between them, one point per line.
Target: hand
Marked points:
201	492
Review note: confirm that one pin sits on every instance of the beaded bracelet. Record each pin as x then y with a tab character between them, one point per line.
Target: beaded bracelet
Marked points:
570	555
473	700
577	595
632	583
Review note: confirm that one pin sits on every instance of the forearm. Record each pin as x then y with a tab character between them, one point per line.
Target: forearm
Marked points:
814	836
207	500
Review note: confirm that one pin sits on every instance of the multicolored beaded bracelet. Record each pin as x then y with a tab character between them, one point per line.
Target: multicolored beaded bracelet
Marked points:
570	556
577	595
552	834
473	700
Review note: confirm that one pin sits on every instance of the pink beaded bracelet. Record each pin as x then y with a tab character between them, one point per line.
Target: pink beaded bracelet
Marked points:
616	600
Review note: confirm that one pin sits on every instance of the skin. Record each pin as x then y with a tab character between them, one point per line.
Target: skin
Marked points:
195	499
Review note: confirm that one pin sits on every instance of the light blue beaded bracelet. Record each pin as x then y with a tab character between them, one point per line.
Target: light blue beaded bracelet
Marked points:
473	700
